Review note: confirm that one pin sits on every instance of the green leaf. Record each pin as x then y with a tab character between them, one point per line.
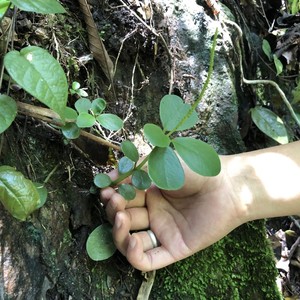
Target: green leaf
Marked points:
71	131
75	85
18	194
125	165
4	5
110	122
270	124
100	244
85	120
43	193
129	150
165	169
98	105
39	6
70	113
8	112
156	136
83	105
278	65
172	110
199	156
127	191
267	49
102	181
39	74
140	179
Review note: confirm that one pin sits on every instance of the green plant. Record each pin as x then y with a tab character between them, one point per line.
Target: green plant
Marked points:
19	195
272	57
164	167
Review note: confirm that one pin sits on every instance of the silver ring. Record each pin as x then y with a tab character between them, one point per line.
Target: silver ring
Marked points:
153	238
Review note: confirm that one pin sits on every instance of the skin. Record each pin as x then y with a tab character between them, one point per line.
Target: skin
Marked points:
253	185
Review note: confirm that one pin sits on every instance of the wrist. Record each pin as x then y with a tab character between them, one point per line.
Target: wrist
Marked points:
265	183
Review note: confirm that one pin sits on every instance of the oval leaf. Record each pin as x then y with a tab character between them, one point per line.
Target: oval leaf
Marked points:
71	131
83	105
43	193
165	169
18	194
100	244
270	124
267	49
39	74
141	180
98	105
199	156
127	191
85	120
110	122
172	110
70	114
129	150
102	181
125	165
156	136
39	6
8	112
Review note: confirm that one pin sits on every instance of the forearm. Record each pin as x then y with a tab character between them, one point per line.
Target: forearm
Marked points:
267	182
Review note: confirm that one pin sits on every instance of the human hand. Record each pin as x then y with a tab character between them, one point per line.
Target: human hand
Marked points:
184	221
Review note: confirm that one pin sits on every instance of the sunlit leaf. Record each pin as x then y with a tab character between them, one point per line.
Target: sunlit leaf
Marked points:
127	191
100	244
39	74
270	124
39	6
17	194
129	150
102	180
199	156
125	165
156	136
85	120
4	5
172	111
140	179
110	121
165	169
83	105
71	131
8	112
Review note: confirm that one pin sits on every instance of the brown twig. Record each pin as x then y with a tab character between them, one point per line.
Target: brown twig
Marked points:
49	116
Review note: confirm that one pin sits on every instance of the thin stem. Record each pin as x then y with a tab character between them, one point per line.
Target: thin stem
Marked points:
205	86
125	175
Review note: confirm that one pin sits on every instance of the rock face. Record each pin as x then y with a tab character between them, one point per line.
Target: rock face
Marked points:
45	257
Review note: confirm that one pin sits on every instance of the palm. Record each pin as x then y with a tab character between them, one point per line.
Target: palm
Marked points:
184	221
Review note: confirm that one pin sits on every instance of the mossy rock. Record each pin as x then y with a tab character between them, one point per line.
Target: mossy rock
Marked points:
239	267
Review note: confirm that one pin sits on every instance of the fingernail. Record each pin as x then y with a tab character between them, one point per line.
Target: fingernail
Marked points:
132	242
118	222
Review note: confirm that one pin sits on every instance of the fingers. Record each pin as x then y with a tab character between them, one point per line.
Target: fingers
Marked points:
107	193
138	247
133	219
146	260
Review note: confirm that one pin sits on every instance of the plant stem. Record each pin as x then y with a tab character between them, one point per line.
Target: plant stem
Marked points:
205	86
125	175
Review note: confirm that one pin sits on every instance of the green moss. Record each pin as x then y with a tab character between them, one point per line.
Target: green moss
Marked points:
239	267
